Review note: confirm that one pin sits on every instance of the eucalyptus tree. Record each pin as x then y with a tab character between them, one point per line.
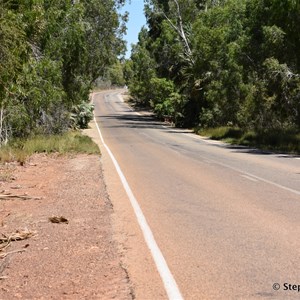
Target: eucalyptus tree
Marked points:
274	42
229	62
51	52
12	53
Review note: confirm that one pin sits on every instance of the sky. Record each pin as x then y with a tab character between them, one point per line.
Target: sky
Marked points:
136	21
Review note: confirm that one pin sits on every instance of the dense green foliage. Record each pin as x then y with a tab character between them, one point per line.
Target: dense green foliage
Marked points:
220	63
51	52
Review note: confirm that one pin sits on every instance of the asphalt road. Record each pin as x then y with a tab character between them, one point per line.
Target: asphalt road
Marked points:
227	219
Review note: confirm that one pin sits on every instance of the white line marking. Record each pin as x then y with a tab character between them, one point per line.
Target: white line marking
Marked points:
161	264
146	135
208	161
258	178
204	139
121	99
250	178
243	172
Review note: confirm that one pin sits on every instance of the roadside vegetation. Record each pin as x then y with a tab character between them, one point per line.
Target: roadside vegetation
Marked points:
287	141
67	143
223	64
51	54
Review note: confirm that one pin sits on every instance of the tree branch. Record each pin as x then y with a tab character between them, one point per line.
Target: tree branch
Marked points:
180	31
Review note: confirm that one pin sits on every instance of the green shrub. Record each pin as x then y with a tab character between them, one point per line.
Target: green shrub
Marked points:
82	114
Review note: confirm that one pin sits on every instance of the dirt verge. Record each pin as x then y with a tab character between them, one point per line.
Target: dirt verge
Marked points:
74	257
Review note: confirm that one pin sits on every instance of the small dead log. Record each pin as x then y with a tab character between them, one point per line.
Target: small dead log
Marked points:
22	197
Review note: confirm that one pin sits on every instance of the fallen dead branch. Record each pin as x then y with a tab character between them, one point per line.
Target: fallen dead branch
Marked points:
17	187
3	265
17	236
23	197
3	218
5	242
5	245
5	192
3	255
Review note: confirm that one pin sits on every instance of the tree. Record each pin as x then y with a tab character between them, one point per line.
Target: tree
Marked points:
143	66
51	53
115	74
230	62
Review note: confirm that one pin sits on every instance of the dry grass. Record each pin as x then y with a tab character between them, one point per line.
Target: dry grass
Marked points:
287	141
70	142
6	172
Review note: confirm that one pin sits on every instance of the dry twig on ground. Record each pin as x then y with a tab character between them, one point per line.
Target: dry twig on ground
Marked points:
17	236
5	242
23	197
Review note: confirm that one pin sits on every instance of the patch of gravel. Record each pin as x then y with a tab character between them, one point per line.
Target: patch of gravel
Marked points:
74	260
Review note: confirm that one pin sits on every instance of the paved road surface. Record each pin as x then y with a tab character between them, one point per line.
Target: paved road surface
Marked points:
227	219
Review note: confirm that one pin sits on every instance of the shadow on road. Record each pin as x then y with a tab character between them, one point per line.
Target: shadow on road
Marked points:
256	151
149	121
131	121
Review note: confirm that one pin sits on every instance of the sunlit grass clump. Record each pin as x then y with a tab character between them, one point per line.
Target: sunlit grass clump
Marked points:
70	142
274	140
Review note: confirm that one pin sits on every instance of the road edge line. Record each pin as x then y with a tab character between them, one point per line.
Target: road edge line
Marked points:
169	282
